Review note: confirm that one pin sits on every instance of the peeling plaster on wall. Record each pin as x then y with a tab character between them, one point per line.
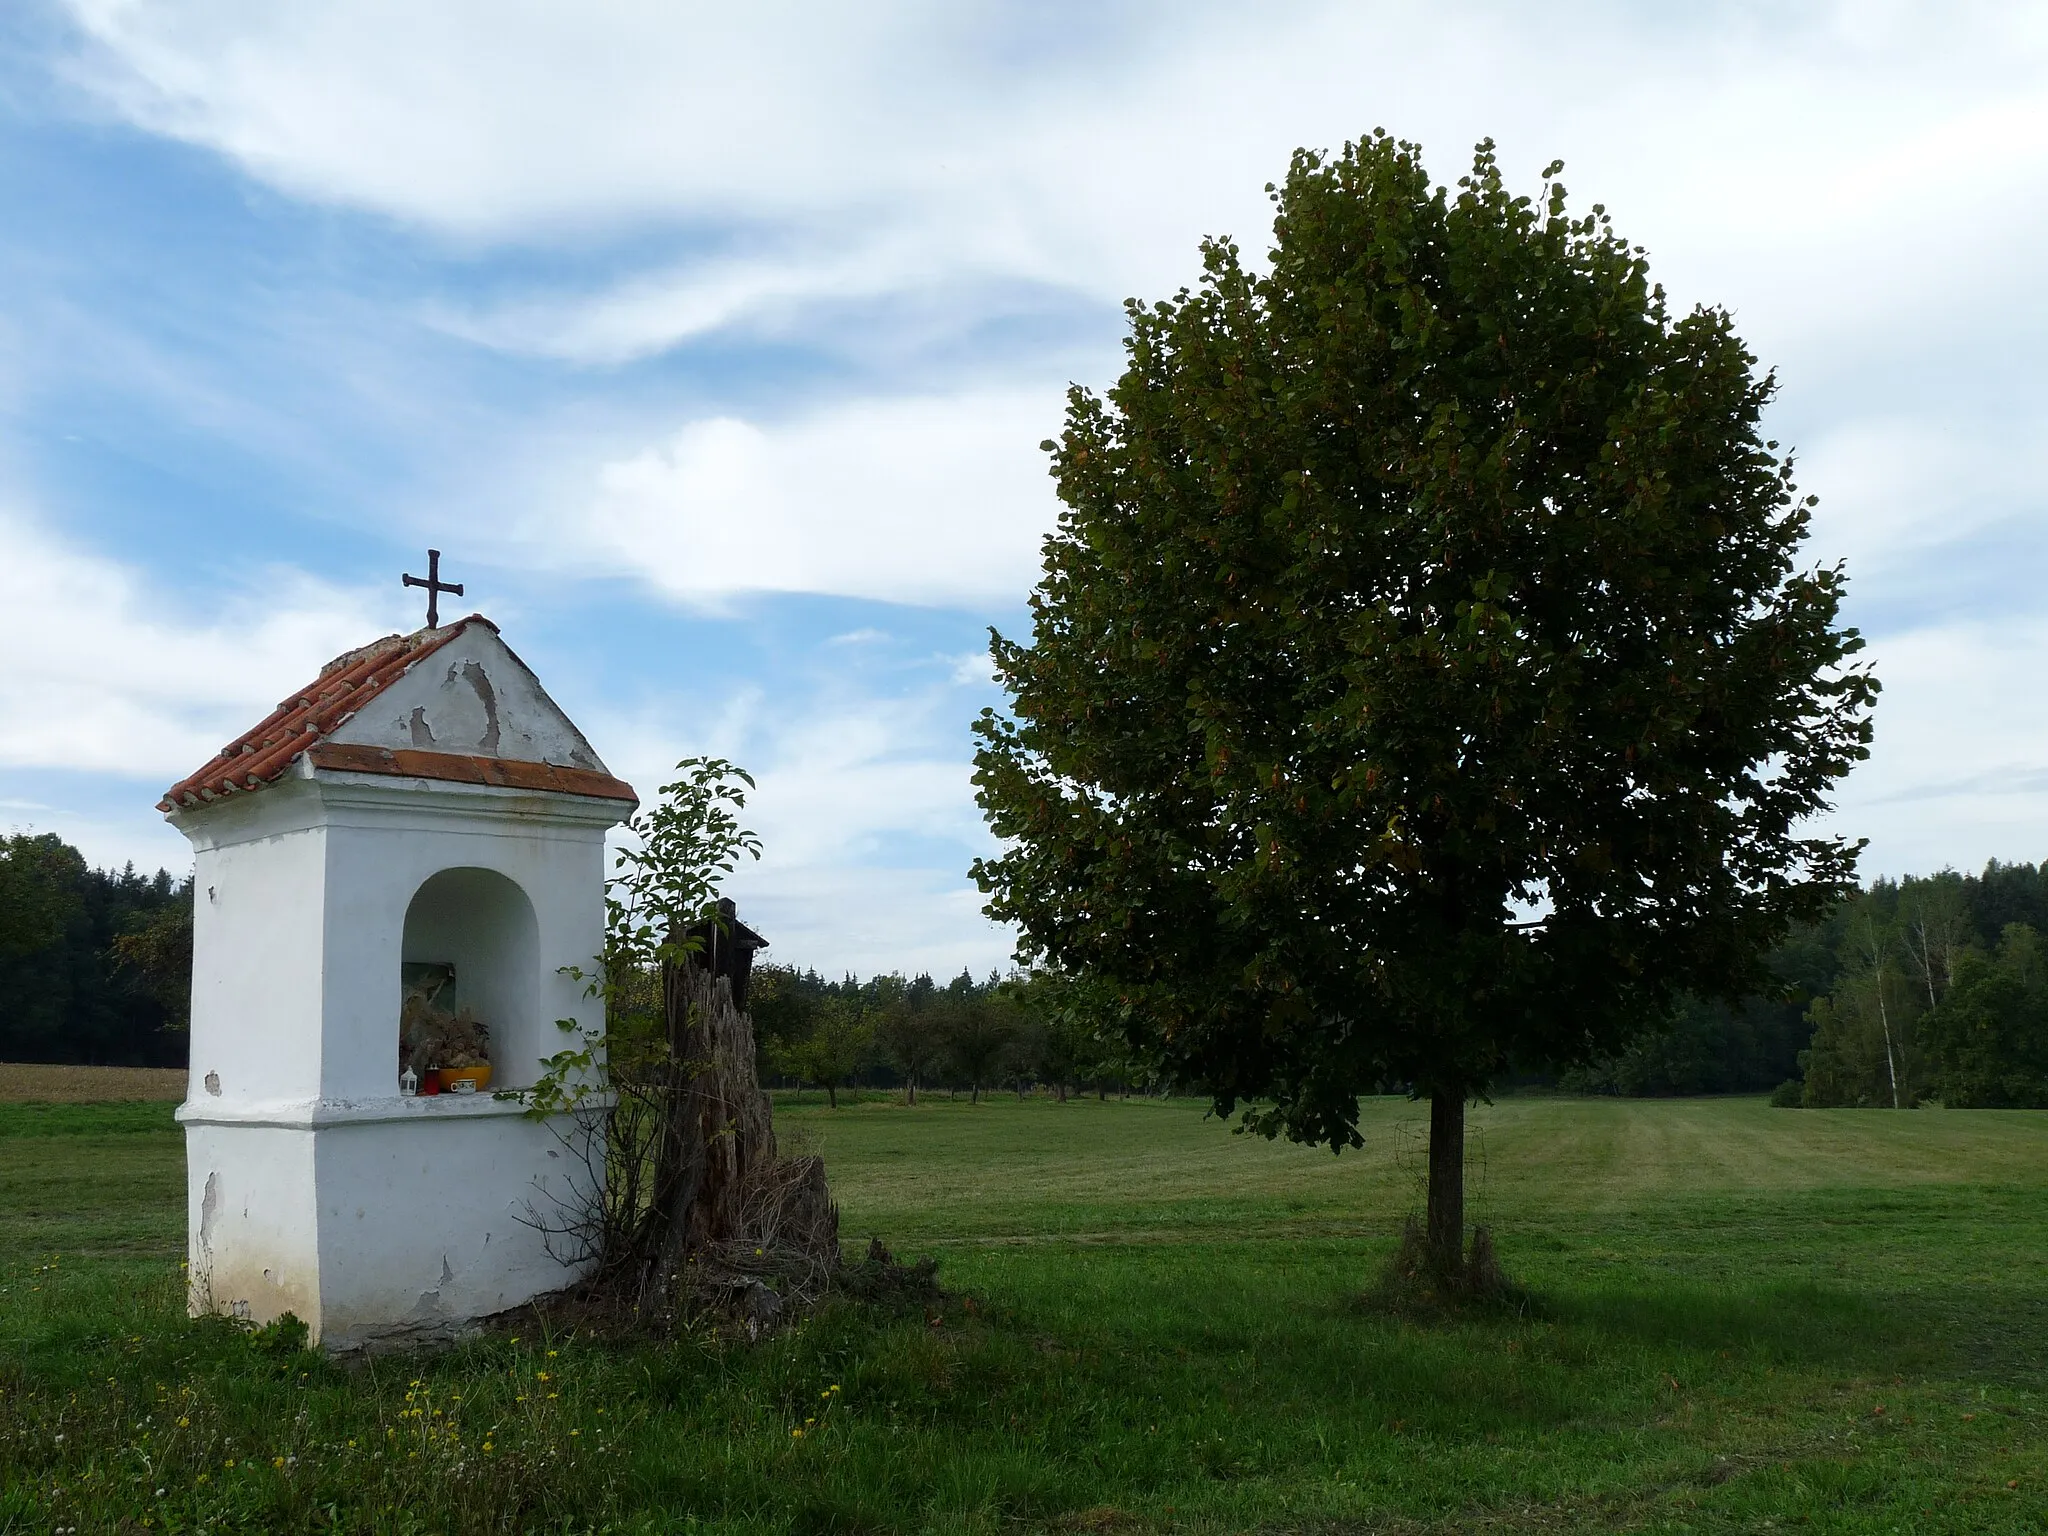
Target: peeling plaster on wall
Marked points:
209	1212
479	680
421	732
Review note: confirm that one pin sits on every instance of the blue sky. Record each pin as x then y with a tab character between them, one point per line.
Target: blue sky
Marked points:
713	345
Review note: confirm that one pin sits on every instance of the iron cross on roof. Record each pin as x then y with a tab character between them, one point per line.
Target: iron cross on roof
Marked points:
435	587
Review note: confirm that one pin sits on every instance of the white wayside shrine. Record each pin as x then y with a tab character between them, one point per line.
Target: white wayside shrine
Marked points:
419	830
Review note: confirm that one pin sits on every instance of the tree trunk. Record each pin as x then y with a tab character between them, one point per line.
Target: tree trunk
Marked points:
832	1094
1446	1223
716	1175
911	1084
975	1096
1875	948
1891	1060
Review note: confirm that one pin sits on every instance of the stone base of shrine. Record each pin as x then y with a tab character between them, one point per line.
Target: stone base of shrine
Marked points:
381	1223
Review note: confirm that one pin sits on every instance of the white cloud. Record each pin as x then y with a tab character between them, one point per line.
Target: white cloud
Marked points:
865	809
877	144
974	667
496	115
1895	486
1866	186
907	500
652	312
1959	769
870	920
102	678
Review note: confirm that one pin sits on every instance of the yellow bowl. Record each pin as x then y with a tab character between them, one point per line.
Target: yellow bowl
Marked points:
450	1076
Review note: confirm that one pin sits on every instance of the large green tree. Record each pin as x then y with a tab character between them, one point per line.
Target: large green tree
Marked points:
1424	682
40	878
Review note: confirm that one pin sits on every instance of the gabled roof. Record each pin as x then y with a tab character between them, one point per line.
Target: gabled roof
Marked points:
303	725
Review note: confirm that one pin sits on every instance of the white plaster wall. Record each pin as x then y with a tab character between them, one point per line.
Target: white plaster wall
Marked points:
472	695
252	1246
259	873
429	1220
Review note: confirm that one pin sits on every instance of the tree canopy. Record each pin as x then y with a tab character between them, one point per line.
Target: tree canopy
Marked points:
1423	683
95	964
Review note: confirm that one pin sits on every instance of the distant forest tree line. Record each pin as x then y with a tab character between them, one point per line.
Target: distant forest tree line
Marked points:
95	964
1927	989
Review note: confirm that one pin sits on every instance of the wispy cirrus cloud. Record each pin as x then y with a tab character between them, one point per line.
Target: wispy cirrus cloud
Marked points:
1810	168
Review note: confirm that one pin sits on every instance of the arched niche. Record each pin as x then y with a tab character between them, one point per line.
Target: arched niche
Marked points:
481	925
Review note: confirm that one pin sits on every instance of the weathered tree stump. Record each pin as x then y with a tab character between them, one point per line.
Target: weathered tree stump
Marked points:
731	1213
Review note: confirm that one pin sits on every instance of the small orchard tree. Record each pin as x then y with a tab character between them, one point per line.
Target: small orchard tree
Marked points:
910	1034
980	1033
841	1041
1424	682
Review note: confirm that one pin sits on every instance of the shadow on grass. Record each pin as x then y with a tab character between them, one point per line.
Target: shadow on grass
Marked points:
1786	1322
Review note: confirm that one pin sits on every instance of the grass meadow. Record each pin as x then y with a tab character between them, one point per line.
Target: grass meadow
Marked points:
1740	1318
